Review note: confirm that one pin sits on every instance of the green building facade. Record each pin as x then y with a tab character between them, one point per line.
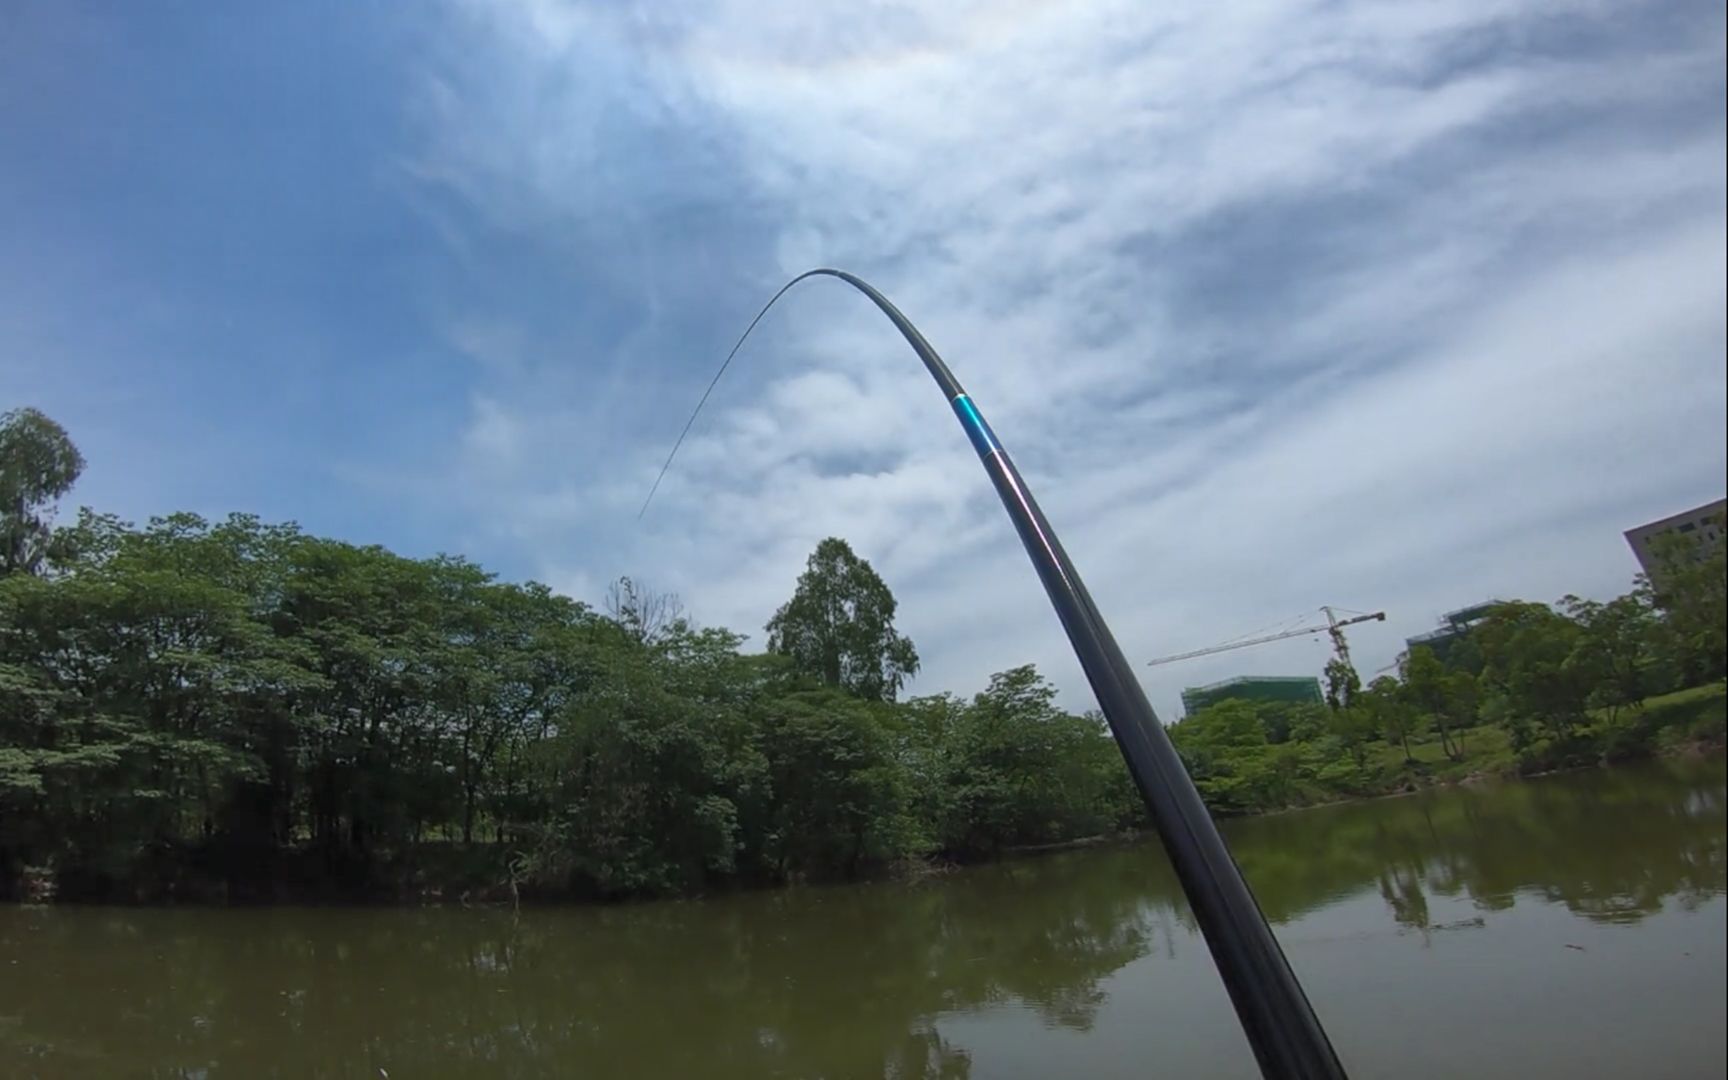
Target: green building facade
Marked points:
1273	689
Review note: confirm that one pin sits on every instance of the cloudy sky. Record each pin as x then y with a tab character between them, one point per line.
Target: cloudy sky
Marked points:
1390	305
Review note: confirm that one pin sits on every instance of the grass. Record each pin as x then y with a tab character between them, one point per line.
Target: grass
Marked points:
1714	692
1287	777
1694	718
1689	721
1486	749
1684	721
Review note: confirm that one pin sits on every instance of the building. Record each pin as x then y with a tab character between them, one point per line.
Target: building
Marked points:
1269	689
1702	525
1453	626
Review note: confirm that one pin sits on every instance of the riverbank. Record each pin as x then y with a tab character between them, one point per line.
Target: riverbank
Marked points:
1410	920
1689	722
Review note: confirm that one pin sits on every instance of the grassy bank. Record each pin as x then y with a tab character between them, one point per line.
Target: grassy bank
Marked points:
1681	722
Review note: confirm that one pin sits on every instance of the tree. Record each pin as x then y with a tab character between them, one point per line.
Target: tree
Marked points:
1347	721
151	684
1342	684
1463	704
1429	687
38	464
1354	728
1689	586
1385	704
839	626
1237	770
1020	770
1527	648
248	709
1298	722
839	800
645	614
646	782
1613	651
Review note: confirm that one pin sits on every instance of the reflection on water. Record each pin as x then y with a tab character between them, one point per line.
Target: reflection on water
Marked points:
1086	955
1612	844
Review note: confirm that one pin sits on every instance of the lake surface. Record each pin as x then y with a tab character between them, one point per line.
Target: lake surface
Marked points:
1571	926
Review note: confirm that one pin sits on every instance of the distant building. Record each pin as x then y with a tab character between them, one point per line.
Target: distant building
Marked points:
1278	689
1453	626
1702	525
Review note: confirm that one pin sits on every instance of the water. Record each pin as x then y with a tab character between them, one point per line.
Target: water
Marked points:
1571	927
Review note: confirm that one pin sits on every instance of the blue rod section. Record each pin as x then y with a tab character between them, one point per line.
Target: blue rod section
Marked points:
977	429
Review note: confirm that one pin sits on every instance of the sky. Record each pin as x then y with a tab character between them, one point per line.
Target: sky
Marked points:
1386	305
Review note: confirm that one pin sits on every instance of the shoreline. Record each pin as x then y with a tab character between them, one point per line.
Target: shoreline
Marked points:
444	873
499	896
1711	746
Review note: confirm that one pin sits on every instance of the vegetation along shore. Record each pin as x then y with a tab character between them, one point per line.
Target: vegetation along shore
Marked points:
240	711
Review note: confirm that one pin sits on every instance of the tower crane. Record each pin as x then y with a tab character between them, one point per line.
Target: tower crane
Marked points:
1334	627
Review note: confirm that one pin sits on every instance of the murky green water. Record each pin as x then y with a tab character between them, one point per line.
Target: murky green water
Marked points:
1568	927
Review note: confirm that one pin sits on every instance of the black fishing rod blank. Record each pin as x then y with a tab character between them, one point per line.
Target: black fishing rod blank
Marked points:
1282	1028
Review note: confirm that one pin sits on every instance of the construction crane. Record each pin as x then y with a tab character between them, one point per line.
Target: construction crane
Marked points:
1334	627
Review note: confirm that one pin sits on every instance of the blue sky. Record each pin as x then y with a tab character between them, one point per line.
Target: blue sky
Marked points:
1384	305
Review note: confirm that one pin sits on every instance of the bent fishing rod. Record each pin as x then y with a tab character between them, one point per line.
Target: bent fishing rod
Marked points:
1280	1023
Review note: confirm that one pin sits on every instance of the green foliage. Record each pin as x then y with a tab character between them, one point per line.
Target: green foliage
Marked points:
839	626
1352	731
1449	698
261	710
837	799
1529	690
38	464
1690	585
1529	651
1235	766
239	709
1614	651
1389	712
645	781
262	707
1019	771
1342	684
1696	717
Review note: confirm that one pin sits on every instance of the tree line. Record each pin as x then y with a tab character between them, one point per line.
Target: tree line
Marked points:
1529	688
240	709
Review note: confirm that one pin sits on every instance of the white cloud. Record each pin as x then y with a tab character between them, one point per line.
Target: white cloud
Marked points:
1394	305
493	436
